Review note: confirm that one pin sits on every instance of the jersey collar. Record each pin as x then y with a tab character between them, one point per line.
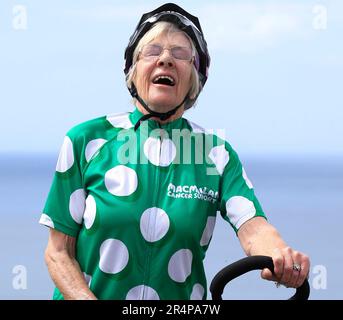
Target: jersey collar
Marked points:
153	124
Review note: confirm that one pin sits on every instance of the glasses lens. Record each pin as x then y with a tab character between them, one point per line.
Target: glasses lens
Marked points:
181	53
154	51
151	50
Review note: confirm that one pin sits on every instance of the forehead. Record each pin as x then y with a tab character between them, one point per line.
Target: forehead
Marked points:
172	38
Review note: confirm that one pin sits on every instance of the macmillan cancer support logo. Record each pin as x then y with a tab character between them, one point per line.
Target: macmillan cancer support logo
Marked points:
192	192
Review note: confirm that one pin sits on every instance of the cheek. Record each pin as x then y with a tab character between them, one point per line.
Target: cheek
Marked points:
142	76
186	79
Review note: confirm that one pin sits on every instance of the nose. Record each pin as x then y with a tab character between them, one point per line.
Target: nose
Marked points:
165	59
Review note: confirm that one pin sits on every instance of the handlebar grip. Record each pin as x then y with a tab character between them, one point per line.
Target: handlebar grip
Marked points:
245	265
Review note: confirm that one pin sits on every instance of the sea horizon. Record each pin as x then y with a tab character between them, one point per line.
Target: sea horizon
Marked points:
301	195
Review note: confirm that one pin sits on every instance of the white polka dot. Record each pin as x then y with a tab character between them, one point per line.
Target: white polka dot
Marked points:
208	231
220	157
77	205
196	128
239	210
216	132
180	265
66	157
121	181
197	292
142	293
92	148
88	279
120	120
168	152
46	220
90	212
160	154
247	181
220	133
154	224
114	256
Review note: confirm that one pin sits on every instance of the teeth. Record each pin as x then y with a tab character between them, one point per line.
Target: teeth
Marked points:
164	77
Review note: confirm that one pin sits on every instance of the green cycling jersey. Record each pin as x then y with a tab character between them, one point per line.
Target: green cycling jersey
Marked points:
143	204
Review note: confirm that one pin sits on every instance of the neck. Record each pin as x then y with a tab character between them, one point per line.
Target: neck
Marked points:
175	116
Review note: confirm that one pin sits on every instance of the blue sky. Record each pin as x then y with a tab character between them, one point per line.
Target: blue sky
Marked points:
275	82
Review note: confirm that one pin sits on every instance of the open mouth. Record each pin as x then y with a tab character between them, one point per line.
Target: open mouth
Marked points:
164	80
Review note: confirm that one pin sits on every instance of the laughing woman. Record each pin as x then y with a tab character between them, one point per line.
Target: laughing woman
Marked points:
138	226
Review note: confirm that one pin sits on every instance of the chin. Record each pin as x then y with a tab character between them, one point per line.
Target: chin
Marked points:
163	105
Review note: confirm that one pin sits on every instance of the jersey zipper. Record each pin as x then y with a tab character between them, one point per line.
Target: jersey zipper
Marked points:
152	224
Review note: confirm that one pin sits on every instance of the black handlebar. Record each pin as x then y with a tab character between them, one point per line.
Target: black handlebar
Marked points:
245	265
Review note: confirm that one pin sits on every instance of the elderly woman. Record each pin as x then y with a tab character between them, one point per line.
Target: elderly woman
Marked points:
134	199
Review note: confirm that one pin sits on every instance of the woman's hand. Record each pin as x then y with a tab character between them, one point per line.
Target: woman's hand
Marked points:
291	267
258	237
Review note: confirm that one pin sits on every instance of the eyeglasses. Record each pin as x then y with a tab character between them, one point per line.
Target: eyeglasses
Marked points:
153	51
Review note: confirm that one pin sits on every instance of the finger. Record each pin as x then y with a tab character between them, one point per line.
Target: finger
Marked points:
278	262
268	275
305	268
296	268
288	266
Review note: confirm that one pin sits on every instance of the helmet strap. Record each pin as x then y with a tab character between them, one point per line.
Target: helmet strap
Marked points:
161	115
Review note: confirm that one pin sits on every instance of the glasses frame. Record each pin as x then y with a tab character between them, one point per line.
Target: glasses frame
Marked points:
170	49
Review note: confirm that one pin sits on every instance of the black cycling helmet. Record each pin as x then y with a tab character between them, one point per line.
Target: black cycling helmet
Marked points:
188	23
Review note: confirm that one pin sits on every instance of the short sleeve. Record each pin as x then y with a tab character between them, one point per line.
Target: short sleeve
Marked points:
238	202
65	203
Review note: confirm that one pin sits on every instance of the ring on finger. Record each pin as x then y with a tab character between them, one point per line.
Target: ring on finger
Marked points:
296	267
